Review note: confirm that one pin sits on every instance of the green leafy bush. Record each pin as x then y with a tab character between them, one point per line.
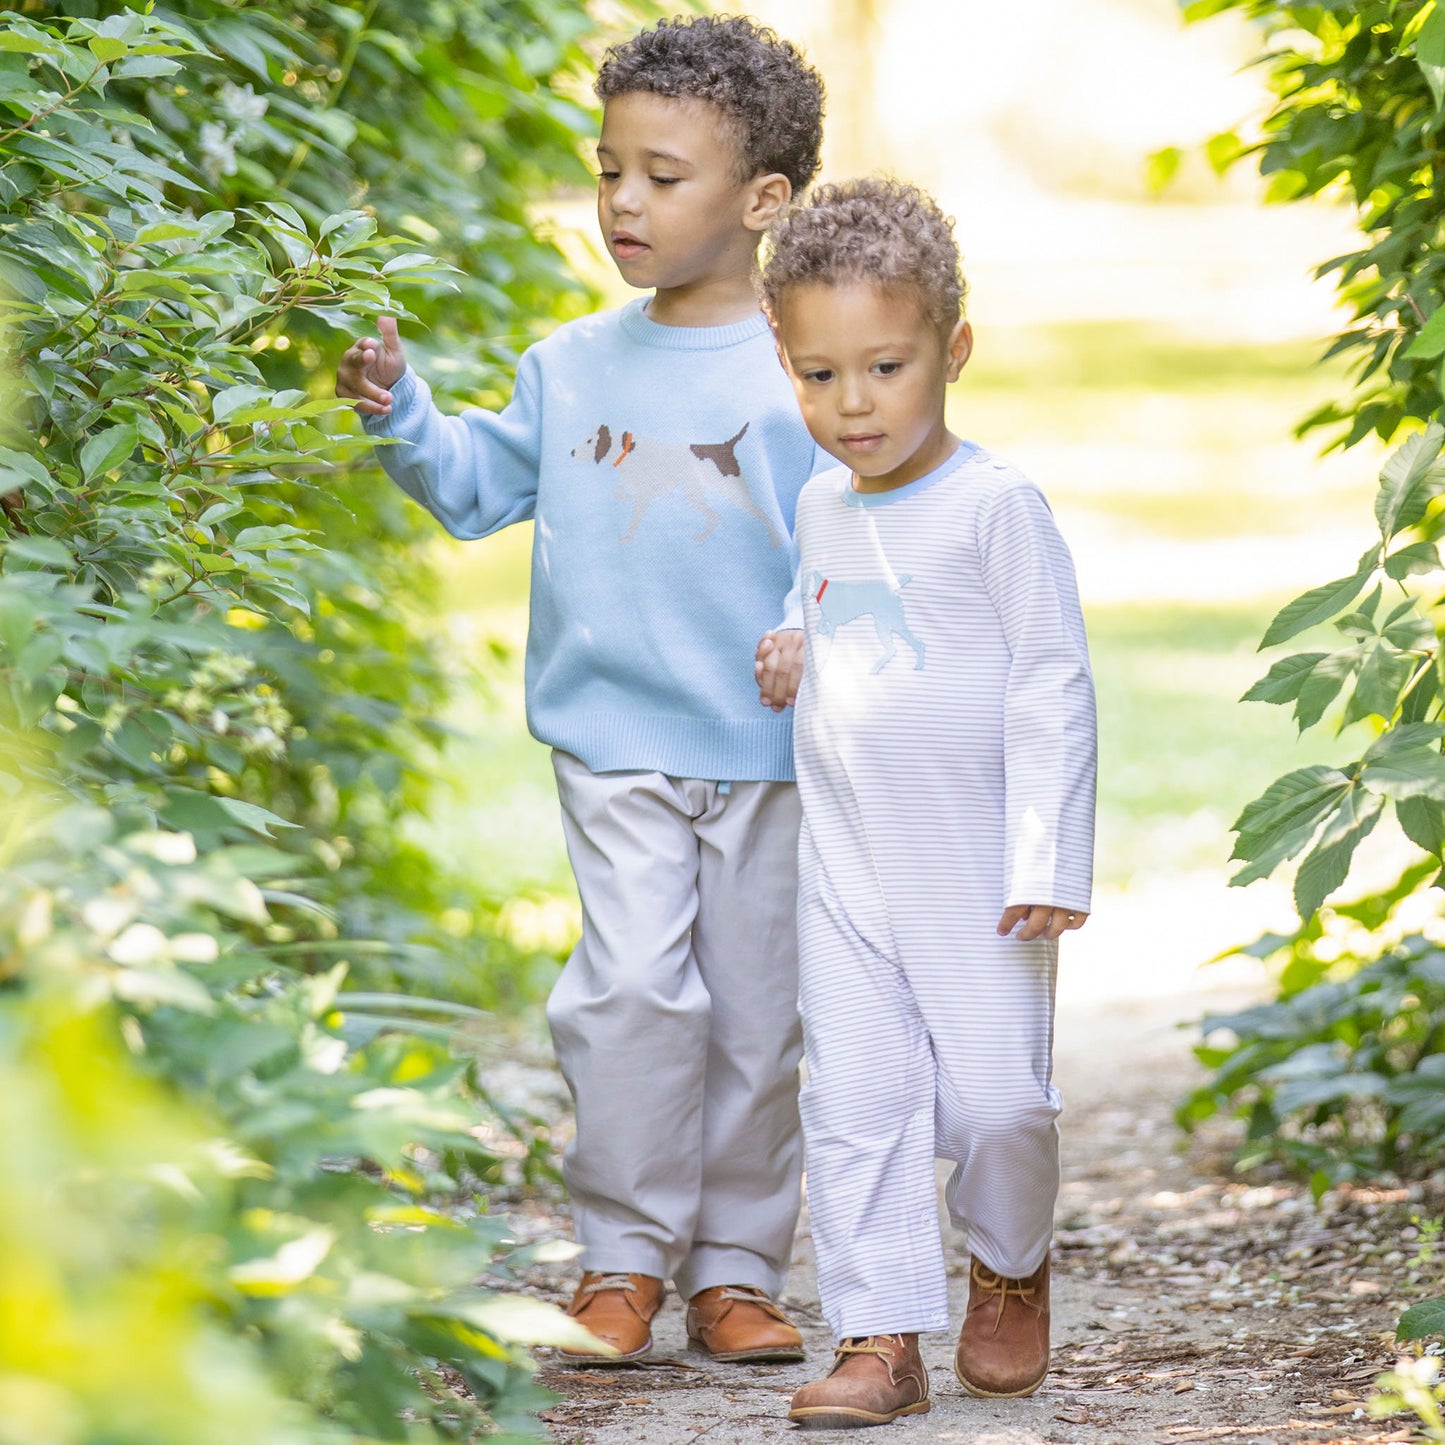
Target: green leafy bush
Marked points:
241	1198
1357	116
236	1204
1341	1074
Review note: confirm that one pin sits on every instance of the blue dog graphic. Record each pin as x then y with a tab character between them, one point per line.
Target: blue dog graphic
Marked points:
840	603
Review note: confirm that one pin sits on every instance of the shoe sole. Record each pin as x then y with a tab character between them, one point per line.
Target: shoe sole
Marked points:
835	1417
605	1362
979	1393
778	1355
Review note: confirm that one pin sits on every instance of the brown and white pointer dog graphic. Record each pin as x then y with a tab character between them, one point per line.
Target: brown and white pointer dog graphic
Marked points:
703	472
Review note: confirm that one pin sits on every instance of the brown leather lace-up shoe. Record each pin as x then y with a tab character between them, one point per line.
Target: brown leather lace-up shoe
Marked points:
873	1381
739	1322
618	1309
1003	1348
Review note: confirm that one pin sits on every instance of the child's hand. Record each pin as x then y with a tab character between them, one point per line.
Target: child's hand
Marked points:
1039	921
368	367
779	668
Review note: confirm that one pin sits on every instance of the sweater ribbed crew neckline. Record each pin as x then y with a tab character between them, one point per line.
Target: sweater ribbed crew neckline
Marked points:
643	329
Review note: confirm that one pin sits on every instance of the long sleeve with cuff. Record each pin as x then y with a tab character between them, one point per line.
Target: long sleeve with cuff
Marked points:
1048	703
662	466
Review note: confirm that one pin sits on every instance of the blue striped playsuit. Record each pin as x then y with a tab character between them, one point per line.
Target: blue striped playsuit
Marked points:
945	748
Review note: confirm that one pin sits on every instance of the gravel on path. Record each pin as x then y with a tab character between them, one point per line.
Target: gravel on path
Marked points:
1190	1305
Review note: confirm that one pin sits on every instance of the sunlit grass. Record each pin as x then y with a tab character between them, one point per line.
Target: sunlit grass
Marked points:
1135	355
1179	755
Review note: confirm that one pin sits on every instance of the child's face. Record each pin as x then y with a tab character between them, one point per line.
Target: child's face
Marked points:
671	207
870	369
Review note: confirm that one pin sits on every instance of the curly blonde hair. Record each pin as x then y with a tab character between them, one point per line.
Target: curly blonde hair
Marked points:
885	232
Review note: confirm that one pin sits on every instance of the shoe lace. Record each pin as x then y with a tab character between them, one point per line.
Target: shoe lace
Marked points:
886	1347
869	1345
748	1293
998	1286
609	1281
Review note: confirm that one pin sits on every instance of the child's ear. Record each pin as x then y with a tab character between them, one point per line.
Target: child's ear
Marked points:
960	348
767	195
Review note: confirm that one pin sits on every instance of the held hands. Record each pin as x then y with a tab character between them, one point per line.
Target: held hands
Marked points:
778	668
1039	921
369	367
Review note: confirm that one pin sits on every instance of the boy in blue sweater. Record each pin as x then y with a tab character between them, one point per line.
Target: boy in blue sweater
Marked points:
661	453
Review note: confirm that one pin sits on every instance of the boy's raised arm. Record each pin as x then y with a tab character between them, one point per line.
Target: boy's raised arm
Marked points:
475	473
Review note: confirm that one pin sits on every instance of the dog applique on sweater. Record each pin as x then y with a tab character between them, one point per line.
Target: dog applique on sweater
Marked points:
704	473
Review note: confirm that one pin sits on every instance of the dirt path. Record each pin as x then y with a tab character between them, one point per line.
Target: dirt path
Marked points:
1189	1306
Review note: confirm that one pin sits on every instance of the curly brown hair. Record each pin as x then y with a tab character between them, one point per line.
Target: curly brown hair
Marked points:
882	231
770	94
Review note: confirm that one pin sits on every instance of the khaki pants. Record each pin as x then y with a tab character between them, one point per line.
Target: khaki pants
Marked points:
675	1024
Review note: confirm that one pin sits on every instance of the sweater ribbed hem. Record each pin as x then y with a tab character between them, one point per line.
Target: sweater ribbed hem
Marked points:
718	750
641	328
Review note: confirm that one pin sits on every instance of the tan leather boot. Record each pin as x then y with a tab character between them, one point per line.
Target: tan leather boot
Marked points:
739	1322
618	1309
873	1381
1003	1348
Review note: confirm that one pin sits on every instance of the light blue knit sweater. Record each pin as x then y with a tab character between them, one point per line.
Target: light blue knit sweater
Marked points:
662	465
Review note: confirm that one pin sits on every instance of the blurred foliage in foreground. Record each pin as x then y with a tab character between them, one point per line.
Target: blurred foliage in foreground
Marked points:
1341	1075
239	1200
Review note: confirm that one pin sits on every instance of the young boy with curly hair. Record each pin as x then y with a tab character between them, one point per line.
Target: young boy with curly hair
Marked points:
661	453
945	757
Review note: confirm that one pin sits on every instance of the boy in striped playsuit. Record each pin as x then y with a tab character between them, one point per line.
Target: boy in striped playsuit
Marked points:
945	747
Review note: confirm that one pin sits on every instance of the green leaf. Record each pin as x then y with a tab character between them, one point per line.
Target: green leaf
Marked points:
17	621
1320	603
20	467
153	987
1419	773
1406	629
1283	681
237	39
1284	818
45	551
233	398
105	49
1414	560
1223	150
38	655
178	229
28	40
1430	54
1325	867
192	812
107	449
1304	791
1406	480
1429	341
1421	1320
1324	684
294	1263
1422	820
1161	167
1383	676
